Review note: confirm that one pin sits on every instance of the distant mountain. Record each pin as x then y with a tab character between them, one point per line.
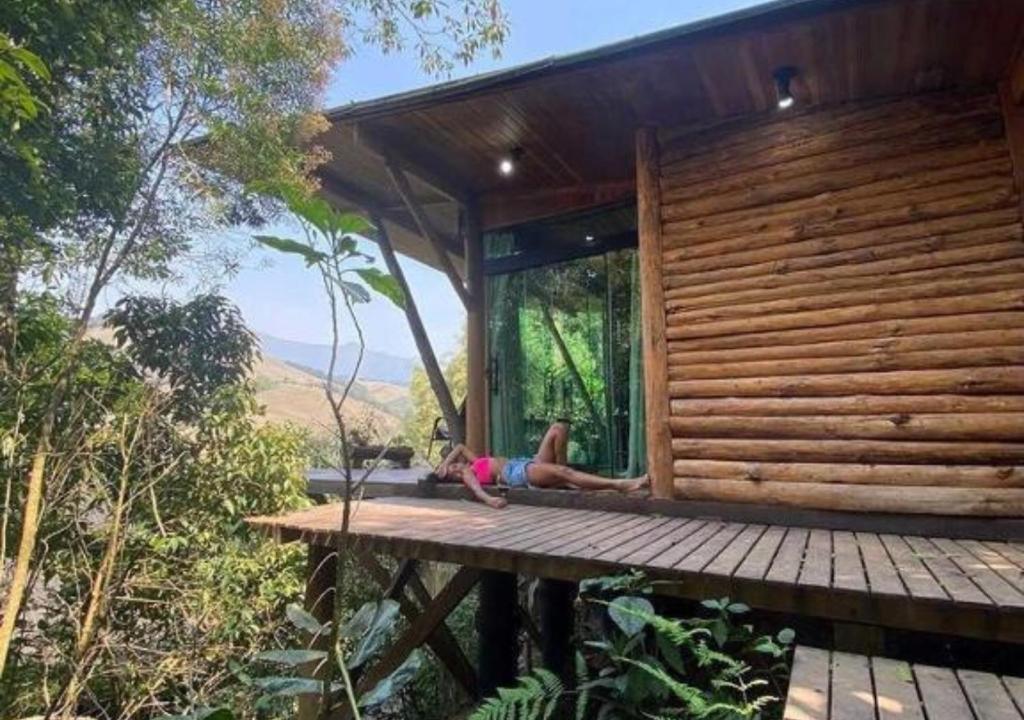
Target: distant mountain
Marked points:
376	365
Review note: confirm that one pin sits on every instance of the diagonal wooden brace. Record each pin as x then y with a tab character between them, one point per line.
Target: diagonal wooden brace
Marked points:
440	639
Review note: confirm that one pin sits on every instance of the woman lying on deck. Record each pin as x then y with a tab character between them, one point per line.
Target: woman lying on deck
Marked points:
547	469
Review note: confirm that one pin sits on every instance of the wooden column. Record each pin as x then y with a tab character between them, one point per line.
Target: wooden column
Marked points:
652	313
419	334
1013	119
476	334
319	602
555	604
497	623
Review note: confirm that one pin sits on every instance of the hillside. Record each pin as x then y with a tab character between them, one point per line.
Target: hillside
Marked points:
291	394
376	366
295	394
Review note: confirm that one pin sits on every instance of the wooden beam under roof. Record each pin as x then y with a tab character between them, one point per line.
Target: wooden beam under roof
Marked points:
426	228
345	192
415	161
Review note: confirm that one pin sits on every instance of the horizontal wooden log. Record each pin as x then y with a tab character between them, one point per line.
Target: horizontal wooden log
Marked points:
848	405
860	169
887	348
858	208
959	381
813	132
997	319
810	282
987	502
913	239
1009	354
779	243
965	476
1001	427
850	451
958	305
984	277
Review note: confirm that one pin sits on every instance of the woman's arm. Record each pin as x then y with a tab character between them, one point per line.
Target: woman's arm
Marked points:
459	450
469	479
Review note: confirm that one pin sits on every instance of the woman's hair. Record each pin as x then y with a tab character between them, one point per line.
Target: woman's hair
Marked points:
433	478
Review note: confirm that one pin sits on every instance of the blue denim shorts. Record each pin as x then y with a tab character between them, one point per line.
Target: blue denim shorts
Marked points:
514	472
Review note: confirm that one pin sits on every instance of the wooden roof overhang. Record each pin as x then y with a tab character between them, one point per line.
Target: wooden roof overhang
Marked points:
574	118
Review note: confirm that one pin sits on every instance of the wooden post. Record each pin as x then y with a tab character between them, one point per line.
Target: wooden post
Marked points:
319	602
555	600
419	334
1013	120
652	314
476	335
497	624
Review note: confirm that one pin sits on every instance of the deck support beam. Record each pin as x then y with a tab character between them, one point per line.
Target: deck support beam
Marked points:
556	603
321	563
497	623
441	640
652	314
419	630
419	334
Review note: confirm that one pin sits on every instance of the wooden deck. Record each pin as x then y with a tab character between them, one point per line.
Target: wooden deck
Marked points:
839	686
964	587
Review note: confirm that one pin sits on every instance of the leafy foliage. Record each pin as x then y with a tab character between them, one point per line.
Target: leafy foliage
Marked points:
646	665
536	697
194	347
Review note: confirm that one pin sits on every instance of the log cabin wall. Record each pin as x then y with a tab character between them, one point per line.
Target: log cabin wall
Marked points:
844	308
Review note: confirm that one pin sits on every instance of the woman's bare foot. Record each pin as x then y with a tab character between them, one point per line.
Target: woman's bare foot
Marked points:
638	483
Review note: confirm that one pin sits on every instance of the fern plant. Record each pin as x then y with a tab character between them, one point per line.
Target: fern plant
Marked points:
642	664
536	697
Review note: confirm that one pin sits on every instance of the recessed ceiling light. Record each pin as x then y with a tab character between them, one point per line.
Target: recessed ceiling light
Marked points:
783	94
506	166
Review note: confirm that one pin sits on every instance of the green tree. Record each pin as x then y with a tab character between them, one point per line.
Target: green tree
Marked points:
246	77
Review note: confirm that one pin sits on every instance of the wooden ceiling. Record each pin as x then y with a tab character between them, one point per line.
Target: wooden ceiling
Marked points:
574	118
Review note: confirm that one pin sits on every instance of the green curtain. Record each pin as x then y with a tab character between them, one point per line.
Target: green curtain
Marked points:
637	451
505	295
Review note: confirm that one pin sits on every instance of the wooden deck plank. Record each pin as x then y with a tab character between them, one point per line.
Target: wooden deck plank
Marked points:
756	564
990	582
941	693
808	696
736	551
987	696
709	550
671	555
998	560
1015	687
643	556
553	532
785	567
916	576
895	691
959	587
883	579
853	696
817	566
617	527
652	536
849	570
617	541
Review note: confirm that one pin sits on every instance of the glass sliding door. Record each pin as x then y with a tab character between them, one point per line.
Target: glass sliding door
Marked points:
561	340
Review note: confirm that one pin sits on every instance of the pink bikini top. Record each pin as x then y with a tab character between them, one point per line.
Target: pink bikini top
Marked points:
482	469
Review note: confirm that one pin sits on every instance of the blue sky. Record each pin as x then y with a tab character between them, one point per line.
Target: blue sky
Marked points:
279	296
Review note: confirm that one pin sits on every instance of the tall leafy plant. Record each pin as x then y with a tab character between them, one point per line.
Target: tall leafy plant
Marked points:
329	247
642	664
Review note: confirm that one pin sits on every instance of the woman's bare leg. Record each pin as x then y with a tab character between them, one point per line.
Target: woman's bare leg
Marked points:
554	447
550	475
